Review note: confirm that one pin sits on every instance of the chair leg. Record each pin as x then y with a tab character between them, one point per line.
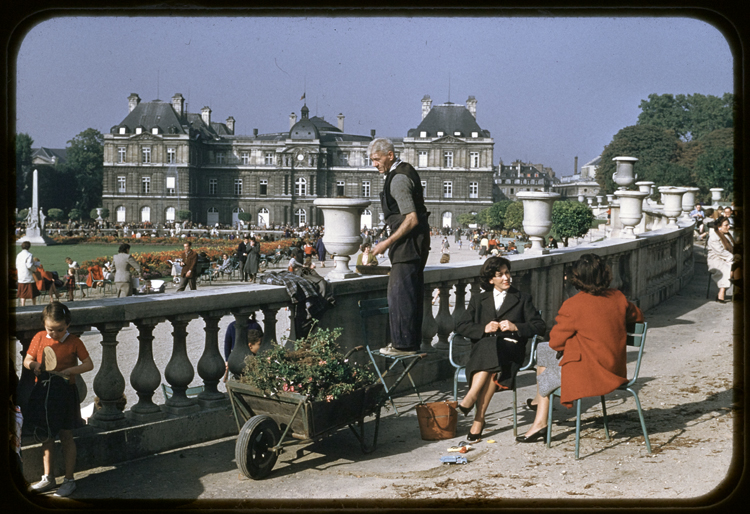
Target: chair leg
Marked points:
606	425
455	386
578	426
549	419
515	416
640	415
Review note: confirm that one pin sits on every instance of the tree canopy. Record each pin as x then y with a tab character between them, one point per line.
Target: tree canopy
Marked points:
571	219
692	117
494	215
514	216
84	165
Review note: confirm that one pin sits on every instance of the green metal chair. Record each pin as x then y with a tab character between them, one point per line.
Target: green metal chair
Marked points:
460	374
636	338
379	307
190	392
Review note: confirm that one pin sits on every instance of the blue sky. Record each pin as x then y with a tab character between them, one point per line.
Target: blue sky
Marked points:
548	89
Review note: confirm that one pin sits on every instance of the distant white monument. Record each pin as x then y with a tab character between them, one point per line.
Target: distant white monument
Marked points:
35	232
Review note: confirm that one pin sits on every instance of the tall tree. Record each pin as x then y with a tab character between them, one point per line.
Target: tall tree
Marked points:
653	146
663	111
690	116
514	216
715	168
84	163
494	215
23	170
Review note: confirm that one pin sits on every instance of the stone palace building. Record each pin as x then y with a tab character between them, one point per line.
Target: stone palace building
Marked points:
162	159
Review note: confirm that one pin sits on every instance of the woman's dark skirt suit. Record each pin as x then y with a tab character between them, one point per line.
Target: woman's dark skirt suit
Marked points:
492	352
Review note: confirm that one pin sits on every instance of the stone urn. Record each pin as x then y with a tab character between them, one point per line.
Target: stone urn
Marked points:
672	197
342	237
624	175
610	199
645	186
537	218
590	201
581	198
631	211
688	201
716	196
599	200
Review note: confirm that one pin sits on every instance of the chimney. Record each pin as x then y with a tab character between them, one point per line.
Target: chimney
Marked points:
178	104
372	133
575	166
206	115
133	101
426	105
341	121
230	125
255	132
292	120
471	104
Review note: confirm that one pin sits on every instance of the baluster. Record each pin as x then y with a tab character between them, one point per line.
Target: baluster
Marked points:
429	326
460	307
179	371
109	384
269	326
240	350
145	377
445	322
211	365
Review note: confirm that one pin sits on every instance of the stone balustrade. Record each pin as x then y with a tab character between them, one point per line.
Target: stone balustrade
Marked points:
648	270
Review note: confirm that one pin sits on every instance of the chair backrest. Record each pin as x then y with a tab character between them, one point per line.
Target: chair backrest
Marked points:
370	308
637	338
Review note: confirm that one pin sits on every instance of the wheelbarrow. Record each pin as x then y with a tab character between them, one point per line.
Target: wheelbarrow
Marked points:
269	424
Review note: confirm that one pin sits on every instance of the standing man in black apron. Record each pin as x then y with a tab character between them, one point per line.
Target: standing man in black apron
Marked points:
405	215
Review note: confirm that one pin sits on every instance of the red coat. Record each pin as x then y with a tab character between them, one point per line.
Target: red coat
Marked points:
591	330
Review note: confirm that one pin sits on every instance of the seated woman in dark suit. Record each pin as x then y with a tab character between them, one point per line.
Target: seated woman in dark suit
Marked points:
499	322
590	329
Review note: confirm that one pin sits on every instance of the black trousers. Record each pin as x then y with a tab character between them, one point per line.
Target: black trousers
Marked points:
406	304
190	282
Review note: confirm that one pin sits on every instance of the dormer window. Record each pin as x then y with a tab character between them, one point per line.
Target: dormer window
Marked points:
423	134
475	134
155	130
440	133
123	130
457	133
138	130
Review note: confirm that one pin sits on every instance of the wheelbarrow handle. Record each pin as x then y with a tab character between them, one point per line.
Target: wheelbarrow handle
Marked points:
355	349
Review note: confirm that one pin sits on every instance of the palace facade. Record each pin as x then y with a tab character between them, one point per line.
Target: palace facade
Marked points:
161	160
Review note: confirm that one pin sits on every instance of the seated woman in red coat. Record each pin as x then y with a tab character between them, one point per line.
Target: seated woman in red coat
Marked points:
590	330
498	321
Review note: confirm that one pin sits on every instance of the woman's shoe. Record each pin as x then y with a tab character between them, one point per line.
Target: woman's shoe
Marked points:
465	410
536	436
475	437
720	300
529	405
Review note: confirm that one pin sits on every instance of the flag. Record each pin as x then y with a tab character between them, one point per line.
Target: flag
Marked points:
303	96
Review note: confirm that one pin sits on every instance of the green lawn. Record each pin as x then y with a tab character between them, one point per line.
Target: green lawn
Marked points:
53	257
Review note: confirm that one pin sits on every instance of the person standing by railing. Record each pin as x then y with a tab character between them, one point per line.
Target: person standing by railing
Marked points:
122	263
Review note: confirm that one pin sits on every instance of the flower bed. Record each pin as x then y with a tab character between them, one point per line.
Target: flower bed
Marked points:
314	368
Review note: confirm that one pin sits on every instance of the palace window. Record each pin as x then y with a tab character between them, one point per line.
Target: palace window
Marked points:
145	214
300	217
300	187
146	155
220	156
263	187
474	159
422	162
145	185
448	159
120	184
121	214
238	186
171	181
340	188
473	189
245	158
121	154
169	214
448	189
269	158
366	188
213	185
424	189
171	155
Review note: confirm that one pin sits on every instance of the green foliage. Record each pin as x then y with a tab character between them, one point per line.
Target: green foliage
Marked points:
56	214
571	219
514	216
84	167
690	116
715	168
75	214
183	215
467	219
314	368
105	213
494	216
653	146
22	214
245	216
23	170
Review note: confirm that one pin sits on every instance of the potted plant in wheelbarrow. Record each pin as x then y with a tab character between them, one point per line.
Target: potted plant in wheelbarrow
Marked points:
287	397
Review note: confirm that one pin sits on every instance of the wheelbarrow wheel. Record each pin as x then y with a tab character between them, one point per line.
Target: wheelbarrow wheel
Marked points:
253	450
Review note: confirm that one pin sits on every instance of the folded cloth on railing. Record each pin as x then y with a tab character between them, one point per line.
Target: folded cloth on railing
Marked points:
302	291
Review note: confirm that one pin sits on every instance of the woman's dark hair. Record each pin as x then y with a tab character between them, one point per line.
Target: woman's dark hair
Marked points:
719	221
124	248
489	268
56	312
591	274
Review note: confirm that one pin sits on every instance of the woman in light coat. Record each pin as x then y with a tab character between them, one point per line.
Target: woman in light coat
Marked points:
721	255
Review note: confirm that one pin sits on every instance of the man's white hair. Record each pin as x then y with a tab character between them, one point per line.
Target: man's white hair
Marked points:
380	145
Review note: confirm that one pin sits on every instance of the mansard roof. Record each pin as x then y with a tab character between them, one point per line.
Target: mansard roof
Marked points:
46	154
154	114
448	118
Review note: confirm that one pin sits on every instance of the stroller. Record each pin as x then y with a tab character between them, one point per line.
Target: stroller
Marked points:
176	271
